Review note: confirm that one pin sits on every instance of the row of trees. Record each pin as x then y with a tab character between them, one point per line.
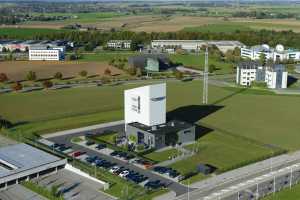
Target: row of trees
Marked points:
96	38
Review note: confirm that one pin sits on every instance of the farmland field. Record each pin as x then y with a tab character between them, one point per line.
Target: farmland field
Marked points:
26	32
17	70
150	23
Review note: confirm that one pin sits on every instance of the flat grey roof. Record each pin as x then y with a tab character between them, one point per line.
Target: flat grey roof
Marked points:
169	127
23	157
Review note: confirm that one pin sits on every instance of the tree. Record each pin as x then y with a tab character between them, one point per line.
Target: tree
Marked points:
58	75
211	68
47	84
17	86
3	77
131	71
178	75
83	73
107	72
262	58
31	76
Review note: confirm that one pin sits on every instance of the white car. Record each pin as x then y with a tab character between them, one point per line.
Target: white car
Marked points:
123	174
114	169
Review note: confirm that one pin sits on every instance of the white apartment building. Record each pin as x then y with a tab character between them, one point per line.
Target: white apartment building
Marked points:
275	76
223	45
46	54
246	73
277	53
119	44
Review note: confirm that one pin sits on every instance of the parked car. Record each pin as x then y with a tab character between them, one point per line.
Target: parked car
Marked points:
114	169
101	146
124	173
91	159
153	185
77	154
89	143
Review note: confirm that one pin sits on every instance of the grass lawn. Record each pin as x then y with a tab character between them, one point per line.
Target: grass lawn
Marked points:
277	122
197	62
109	138
286	194
162	155
217	149
105	57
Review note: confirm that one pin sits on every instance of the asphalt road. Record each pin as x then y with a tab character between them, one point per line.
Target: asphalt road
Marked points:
66	137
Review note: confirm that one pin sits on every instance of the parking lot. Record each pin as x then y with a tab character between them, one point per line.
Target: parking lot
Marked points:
73	186
118	163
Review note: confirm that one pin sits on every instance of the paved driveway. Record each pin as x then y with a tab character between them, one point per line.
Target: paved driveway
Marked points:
66	139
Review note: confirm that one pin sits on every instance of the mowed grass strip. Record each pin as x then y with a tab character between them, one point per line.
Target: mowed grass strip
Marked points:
198	62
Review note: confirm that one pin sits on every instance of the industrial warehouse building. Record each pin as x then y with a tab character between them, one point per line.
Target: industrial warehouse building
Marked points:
150	62
274	75
44	53
195	45
275	54
22	162
145	119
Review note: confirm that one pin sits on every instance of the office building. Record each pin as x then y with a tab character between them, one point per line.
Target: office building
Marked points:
279	53
119	44
274	75
47	53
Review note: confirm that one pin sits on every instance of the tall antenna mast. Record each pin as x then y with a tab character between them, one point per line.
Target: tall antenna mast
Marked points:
205	79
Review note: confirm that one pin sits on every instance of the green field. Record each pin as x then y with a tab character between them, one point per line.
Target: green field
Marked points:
26	32
276	123
197	62
286	194
106	57
84	17
218	28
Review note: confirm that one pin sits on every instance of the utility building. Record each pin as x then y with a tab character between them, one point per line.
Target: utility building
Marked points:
22	162
145	119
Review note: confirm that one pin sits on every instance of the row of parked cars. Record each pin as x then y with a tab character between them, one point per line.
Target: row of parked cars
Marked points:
167	171
125	173
113	168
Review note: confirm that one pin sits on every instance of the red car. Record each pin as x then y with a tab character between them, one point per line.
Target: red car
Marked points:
77	154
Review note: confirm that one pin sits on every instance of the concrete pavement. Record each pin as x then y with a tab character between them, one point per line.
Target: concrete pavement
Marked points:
244	174
18	192
65	137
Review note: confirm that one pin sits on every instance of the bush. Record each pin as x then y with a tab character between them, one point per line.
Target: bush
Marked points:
107	72
178	75
58	75
17	86
3	77
31	76
5	123
259	84
83	73
47	84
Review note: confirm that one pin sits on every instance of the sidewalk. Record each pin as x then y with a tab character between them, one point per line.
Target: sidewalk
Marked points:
83	129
